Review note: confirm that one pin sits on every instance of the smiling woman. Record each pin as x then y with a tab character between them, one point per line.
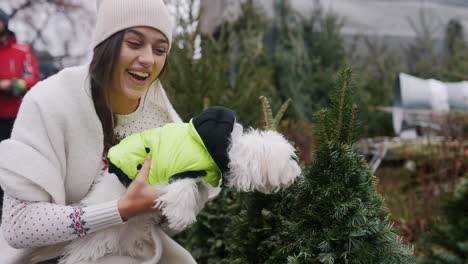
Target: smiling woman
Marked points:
65	128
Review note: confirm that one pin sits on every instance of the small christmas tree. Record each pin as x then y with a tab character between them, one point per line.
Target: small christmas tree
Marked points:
448	243
337	216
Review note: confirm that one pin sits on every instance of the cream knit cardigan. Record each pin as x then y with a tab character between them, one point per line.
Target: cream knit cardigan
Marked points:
56	146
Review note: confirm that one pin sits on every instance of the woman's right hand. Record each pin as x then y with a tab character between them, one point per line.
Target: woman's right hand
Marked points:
140	196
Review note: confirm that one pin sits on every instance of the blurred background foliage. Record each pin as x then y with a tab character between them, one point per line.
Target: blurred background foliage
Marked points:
233	69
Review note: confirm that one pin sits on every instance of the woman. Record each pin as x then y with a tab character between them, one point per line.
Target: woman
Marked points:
65	127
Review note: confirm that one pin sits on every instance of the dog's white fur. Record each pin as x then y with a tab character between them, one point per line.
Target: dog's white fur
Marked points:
259	160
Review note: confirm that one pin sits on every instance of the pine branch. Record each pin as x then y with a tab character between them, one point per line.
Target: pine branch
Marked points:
281	112
352	124
321	128
341	108
272	123
267	113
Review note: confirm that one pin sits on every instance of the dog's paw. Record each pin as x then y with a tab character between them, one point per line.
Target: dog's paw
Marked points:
178	217
180	204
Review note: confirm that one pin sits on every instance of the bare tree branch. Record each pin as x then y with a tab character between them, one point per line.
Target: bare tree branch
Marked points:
53	25
39	30
23	6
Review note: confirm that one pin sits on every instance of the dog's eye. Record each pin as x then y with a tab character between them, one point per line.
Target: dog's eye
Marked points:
295	158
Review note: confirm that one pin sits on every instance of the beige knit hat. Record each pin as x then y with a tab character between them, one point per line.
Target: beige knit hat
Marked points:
116	15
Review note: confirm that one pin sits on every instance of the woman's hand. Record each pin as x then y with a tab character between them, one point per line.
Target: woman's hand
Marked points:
5	85
140	196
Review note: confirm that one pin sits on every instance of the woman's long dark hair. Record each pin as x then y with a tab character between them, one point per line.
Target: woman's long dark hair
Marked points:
105	57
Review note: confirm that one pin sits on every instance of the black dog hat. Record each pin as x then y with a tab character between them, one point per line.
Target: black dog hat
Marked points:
214	126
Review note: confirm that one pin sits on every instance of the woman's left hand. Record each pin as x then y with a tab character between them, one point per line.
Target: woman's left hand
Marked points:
140	196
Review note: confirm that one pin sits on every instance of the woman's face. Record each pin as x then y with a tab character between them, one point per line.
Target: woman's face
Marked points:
142	57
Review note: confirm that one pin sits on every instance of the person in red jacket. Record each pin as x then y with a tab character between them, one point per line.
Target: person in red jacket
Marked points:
18	73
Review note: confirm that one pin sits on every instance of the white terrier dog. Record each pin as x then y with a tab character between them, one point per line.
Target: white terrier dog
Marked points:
245	160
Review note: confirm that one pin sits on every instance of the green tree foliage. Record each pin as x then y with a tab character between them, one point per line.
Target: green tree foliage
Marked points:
254	233
456	50
422	53
454	38
230	71
452	62
377	73
307	54
337	216
447	243
206	239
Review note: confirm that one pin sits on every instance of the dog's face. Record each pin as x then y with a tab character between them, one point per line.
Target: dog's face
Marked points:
261	160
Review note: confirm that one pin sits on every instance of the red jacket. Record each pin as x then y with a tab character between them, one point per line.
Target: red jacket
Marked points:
16	62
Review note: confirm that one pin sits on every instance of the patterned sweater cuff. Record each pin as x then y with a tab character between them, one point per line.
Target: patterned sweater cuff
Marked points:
102	215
